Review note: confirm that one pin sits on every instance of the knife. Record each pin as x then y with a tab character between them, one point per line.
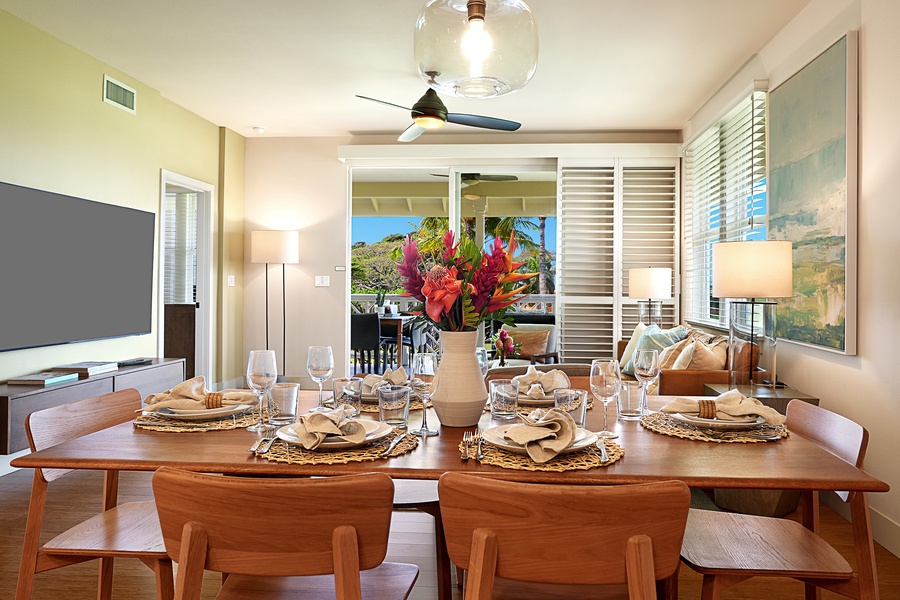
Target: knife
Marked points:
604	456
393	444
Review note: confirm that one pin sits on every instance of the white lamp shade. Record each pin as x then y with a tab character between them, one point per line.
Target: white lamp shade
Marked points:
501	56
650	283
272	246
753	269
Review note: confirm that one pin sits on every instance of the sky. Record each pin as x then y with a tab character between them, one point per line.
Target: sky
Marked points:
375	229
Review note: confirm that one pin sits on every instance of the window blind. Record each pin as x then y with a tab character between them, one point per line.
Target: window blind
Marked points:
181	248
724	200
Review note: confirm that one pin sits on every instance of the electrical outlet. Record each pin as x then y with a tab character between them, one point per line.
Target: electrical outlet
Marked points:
323	280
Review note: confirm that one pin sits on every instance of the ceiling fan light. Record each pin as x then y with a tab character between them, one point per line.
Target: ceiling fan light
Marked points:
429	122
476	49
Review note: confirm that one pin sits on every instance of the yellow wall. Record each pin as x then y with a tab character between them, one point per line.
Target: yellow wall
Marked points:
58	135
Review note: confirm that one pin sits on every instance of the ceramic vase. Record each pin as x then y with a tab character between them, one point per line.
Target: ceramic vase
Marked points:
461	395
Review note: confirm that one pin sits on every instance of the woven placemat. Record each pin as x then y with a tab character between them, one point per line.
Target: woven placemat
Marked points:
293	454
526	410
372	407
153	422
586	459
668	425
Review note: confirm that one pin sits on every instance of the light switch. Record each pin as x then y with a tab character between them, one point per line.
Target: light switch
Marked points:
323	280
231	281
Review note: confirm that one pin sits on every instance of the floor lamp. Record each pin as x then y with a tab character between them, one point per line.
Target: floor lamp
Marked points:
271	246
650	283
752	270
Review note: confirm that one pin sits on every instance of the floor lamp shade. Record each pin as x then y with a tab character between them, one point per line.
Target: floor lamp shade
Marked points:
752	270
650	285
275	246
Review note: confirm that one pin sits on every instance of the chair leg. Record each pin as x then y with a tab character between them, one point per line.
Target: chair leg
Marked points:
639	568
104	580
32	543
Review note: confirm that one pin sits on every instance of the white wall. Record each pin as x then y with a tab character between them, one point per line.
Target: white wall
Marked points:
861	387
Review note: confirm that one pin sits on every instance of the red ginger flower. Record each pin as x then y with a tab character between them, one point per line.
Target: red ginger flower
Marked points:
441	290
409	269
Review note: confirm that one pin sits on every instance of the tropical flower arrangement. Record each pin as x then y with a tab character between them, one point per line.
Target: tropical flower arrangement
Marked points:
465	286
505	346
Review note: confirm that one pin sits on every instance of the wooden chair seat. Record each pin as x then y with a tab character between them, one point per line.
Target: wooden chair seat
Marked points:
130	529
388	581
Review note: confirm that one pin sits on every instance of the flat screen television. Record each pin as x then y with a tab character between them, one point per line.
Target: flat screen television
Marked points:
72	270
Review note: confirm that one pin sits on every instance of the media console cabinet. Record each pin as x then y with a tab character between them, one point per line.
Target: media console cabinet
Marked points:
18	401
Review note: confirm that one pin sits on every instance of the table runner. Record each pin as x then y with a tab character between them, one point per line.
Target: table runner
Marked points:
588	458
668	425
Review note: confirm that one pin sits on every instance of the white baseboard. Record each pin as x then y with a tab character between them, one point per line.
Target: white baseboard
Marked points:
7	458
885	531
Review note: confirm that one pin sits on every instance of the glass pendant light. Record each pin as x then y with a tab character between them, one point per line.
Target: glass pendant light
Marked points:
476	48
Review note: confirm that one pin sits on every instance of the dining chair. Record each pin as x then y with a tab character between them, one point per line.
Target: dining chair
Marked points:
727	548
365	342
129	530
526	540
281	538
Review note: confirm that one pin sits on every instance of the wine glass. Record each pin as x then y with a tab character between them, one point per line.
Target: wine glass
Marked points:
646	370
261	376
481	354
320	366
425	368
605	384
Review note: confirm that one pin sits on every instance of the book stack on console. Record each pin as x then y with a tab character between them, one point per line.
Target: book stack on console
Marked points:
46	378
88	368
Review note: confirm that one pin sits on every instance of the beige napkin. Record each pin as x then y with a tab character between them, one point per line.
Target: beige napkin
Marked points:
537	385
192	395
314	428
372	382
730	406
544	433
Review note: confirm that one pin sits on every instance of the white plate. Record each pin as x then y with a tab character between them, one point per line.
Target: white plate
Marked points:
375	430
530	401
183	414
718	424
494	436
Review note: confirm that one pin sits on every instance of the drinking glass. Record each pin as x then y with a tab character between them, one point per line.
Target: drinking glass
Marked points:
646	370
261	376
605	385
320	366
481	354
425	368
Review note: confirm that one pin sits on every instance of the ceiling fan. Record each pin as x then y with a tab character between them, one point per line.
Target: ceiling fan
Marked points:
430	113
468	179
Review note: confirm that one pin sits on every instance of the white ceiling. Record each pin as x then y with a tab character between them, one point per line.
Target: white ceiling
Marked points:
293	66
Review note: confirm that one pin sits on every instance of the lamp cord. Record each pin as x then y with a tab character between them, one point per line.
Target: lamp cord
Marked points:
283	322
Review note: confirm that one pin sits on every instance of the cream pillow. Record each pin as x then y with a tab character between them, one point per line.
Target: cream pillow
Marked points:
702	357
632	344
670	354
684	359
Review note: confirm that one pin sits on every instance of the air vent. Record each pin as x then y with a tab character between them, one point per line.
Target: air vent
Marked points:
120	95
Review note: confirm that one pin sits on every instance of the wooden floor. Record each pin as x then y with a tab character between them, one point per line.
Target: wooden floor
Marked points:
411	541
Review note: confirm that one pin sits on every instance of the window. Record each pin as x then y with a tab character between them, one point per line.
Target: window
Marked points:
724	200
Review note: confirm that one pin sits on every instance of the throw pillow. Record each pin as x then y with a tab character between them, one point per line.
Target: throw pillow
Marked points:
532	342
701	356
669	355
632	344
655	338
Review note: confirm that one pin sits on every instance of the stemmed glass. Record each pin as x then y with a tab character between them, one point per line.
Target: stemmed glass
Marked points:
646	370
605	384
320	366
425	368
482	355
261	376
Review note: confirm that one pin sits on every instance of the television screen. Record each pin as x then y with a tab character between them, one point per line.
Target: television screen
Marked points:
72	269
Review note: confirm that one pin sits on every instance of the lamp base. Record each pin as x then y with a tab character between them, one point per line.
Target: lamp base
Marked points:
751	344
650	312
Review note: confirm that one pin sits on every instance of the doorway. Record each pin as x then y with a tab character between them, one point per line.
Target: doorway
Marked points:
185	289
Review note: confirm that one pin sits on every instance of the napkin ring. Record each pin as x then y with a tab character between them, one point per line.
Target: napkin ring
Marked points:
707	409
214	400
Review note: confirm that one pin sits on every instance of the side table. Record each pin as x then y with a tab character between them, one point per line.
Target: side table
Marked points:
769	503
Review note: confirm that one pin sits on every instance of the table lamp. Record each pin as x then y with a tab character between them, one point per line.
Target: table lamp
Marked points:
752	270
273	246
650	283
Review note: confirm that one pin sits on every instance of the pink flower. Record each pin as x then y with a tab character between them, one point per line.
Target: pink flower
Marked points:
409	269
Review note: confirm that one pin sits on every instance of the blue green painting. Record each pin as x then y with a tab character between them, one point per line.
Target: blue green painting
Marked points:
808	196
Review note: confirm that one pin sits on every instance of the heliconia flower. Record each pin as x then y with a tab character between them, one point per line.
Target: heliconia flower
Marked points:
409	269
449	247
441	290
504	299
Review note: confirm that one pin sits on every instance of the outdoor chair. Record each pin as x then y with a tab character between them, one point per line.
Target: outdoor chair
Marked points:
365	342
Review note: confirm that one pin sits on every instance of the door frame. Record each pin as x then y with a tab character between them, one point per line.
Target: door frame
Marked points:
205	207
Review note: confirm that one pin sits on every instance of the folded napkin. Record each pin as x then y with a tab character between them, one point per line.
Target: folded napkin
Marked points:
730	406
372	382
192	395
536	384
544	433
314	428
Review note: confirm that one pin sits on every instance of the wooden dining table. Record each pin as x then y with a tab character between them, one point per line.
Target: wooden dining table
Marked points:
792	463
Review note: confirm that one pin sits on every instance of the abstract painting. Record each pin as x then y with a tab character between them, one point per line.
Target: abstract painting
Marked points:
812	195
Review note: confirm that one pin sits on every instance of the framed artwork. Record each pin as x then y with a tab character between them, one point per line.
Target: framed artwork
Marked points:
812	160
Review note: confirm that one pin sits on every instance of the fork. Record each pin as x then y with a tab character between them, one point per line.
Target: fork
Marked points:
480	439
467	441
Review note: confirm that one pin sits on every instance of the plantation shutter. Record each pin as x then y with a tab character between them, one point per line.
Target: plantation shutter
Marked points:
725	200
180	248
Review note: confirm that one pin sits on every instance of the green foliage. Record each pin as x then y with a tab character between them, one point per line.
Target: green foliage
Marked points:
373	268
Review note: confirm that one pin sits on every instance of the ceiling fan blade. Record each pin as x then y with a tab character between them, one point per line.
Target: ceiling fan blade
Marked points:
411	133
498	178
482	121
388	103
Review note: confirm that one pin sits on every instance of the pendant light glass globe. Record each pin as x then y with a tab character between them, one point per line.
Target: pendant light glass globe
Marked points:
476	48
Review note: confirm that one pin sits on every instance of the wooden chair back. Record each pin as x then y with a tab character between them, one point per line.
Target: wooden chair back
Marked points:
59	424
273	527
837	434
563	534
